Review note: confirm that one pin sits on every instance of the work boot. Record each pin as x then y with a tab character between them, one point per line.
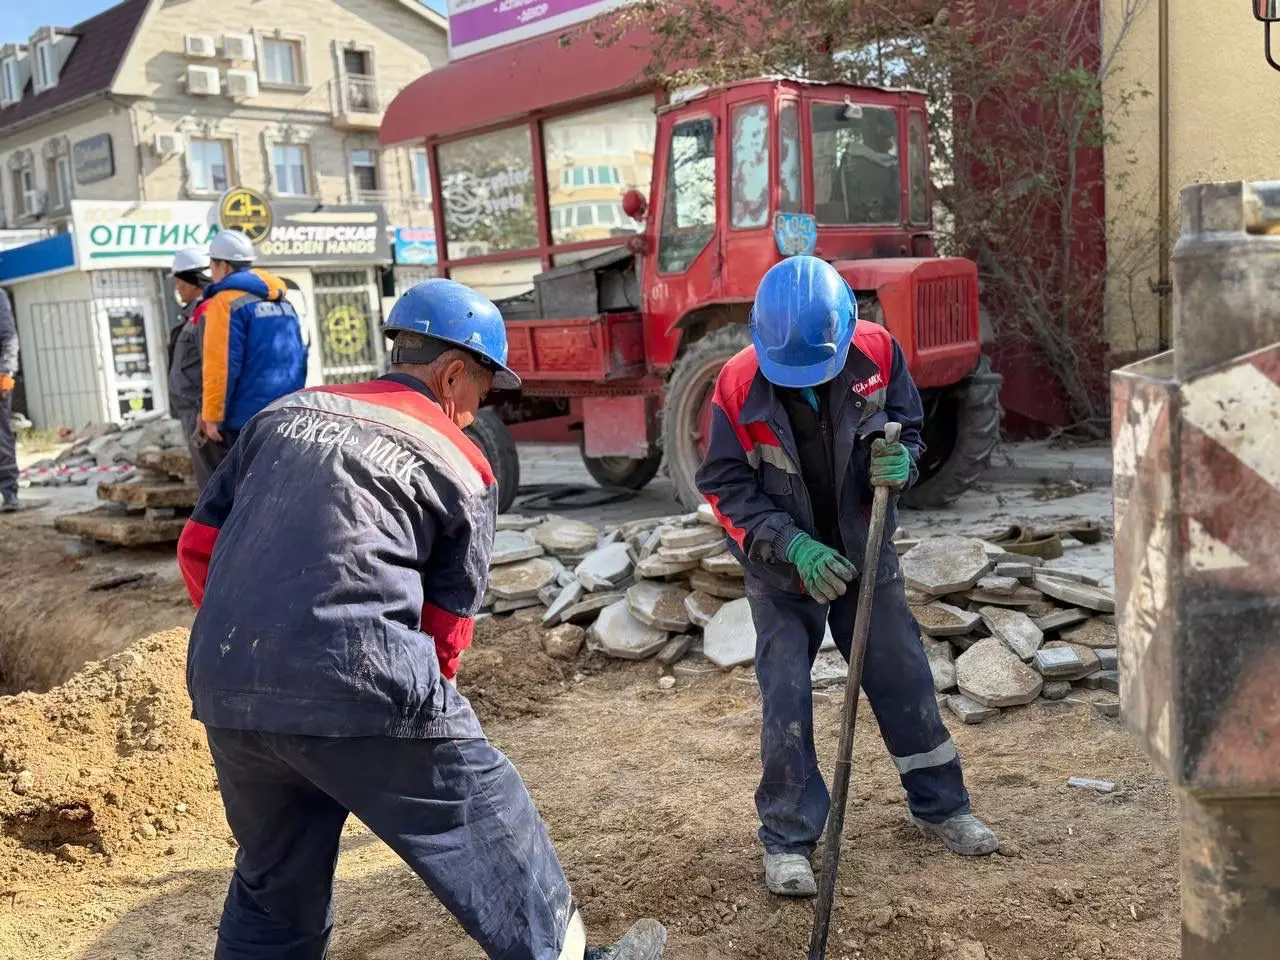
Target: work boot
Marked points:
644	941
9	503
964	834
789	875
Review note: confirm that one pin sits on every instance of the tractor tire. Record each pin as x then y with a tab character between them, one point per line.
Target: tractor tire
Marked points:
627	472
491	435
961	429
686	410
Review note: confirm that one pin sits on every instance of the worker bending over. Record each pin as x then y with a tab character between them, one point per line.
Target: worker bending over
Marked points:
791	464
337	559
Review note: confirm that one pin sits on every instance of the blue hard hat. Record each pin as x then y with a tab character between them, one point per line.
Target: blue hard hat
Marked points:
453	313
802	322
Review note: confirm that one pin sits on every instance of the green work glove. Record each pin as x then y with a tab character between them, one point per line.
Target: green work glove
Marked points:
890	464
825	573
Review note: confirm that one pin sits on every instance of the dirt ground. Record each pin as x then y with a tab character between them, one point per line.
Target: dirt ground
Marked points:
115	845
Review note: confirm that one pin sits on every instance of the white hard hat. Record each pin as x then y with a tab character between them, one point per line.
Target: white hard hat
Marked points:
188	260
233	247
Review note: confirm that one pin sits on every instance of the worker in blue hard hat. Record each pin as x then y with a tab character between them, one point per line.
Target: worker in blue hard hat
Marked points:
793	458
337	560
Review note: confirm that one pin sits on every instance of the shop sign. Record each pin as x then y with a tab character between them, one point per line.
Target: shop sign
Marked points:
247	211
92	159
305	233
122	234
476	25
415	245
127	334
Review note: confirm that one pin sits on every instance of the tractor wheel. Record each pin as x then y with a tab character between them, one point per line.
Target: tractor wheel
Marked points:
491	435
686	412
627	472
961	429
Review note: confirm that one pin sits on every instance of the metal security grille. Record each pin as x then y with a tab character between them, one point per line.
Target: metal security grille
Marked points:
348	321
64	386
131	318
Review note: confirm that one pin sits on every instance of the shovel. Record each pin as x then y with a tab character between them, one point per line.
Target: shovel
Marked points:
844	758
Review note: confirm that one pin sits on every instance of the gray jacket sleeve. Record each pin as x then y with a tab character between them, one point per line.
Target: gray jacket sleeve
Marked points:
8	337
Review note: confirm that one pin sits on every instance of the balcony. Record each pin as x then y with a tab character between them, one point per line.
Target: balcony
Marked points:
357	101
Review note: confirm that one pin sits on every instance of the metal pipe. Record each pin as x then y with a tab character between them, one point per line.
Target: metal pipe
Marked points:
1164	288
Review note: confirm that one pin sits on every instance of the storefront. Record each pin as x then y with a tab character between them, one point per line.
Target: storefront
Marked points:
95	307
414	253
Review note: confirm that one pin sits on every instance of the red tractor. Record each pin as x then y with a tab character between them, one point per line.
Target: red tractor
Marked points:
627	314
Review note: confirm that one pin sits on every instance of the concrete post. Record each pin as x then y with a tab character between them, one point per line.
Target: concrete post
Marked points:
1196	435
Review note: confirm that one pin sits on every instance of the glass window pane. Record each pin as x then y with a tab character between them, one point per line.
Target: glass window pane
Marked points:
918	167
790	163
596	156
749	194
584	215
280	61
606	213
689	208
855	164
487	182
421	174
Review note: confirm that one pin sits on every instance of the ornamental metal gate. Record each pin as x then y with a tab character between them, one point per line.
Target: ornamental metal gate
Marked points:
348	322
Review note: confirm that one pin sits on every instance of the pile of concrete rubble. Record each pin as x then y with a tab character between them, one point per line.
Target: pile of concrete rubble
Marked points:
107	449
1000	629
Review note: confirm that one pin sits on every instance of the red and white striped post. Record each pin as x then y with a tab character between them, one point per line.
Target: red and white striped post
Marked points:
1196	438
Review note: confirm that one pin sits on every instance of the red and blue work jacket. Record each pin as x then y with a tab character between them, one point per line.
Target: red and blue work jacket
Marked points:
337	558
751	474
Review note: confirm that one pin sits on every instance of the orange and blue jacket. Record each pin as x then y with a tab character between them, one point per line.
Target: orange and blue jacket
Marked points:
751	476
253	352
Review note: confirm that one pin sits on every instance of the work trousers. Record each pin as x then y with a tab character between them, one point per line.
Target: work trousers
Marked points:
8	446
456	811
792	799
206	454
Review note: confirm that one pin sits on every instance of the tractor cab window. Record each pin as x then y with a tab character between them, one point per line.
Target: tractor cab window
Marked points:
749	184
856	177
791	160
917	167
689	209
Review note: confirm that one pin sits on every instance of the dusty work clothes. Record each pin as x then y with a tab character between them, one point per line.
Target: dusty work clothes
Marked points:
9	365
455	810
185	388
752	477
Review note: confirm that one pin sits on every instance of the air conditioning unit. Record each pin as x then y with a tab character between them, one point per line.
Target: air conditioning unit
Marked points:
238	47
198	46
203	81
242	84
167	144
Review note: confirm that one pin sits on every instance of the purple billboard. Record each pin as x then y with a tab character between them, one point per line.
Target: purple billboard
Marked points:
476	25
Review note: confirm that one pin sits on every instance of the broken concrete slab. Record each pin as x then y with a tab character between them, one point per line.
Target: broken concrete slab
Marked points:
993	675
511	606
1014	568
604	568
173	463
659	605
649	544
1014	628
1088	659
142	496
530	614
707	515
1056	689
697	552
945	565
1061	619
1109	680
548	594
729	640
110	526
1076	594
518	581
940	619
512	546
675	649
1057	662
701	607
1003	586
726	588
1065	569
1020	597
941	664
590	605
655	568
566	598
970	711
699	536
917	598
723	565
564	642
1107	705
566	538
516	521
1108	658
1092	633
635	528
621	635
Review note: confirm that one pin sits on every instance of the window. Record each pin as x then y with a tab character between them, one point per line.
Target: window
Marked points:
25	199
359	86
917	167
486	184
855	164
282	61
45	77
9	80
791	161
58	176
421	174
210	165
689	209
292	169
749	183
597	156
364	167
